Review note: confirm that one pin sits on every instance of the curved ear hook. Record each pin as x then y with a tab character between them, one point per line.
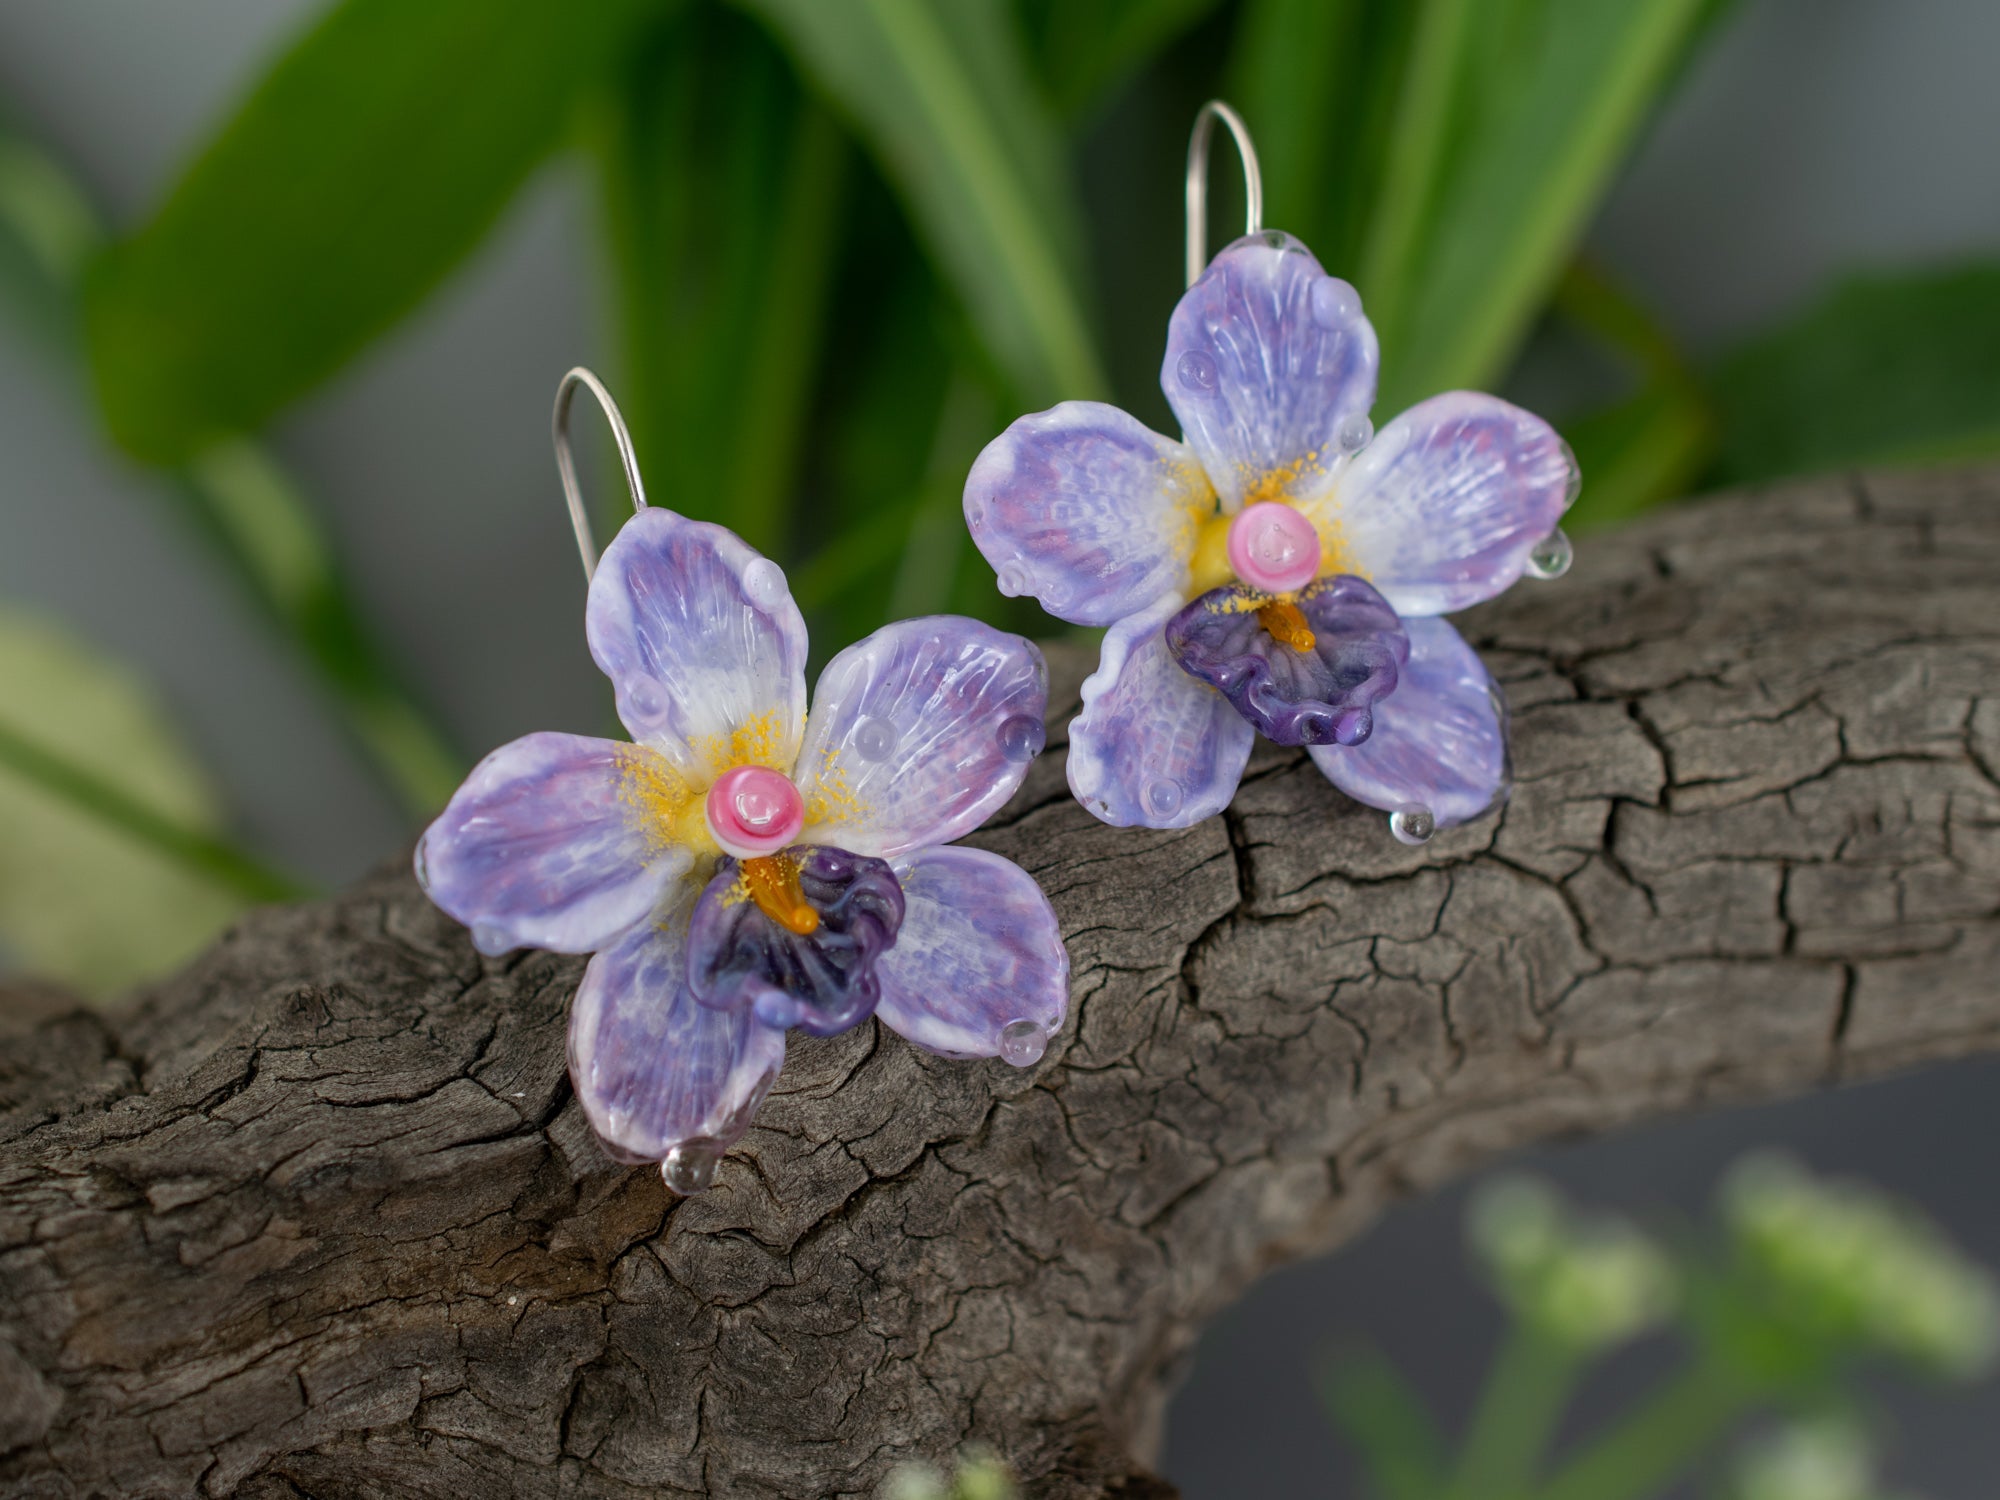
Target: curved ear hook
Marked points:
1197	182
579	519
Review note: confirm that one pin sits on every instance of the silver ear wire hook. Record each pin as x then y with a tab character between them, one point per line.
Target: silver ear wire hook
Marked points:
1197	182
566	465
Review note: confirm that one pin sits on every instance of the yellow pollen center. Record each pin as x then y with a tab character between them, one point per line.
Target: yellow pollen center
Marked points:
1286	624
1210	563
773	882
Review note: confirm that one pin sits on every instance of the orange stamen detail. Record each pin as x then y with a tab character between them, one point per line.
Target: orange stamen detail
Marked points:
773	882
1287	625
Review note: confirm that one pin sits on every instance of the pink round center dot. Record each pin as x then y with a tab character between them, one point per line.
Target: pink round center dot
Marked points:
754	811
1273	548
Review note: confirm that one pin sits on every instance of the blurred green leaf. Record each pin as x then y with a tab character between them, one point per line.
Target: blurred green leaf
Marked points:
838	567
723	187
111	870
48	230
1560	89
1647	1448
1288	64
1430	96
372	157
1385	1419
936	542
942	95
1883	369
1082	52
234	495
899	339
1299	72
1650	447
1645	450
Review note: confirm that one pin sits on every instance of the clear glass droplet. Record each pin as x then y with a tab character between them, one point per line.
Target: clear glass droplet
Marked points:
1162	798
874	739
1022	737
1355	432
1551	556
1013	580
764	583
1573	485
491	940
423	864
644	700
777	1010
1022	1043
1412	825
690	1166
1197	371
1335	304
1353	726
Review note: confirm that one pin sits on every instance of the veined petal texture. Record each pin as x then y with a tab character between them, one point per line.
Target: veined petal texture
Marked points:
979	968
919	733
702	643
1440	739
821	981
1088	510
555	841
1269	362
1153	746
1442	509
653	1069
1317	689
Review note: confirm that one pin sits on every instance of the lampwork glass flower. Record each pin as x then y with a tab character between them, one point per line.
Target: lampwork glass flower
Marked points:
1280	571
742	868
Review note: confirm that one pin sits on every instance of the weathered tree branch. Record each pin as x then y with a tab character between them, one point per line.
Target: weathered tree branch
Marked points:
322	1217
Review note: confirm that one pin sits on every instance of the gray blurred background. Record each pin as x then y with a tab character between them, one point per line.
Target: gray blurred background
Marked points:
1817	136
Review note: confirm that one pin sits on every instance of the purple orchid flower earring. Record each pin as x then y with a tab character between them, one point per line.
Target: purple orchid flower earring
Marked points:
743	867
1282	570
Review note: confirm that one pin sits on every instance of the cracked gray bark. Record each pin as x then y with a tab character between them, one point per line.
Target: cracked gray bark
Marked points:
322	1217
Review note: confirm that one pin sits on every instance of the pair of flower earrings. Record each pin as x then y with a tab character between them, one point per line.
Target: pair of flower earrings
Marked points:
744	867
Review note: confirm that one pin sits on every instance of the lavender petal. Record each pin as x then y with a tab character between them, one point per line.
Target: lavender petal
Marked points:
980	954
1153	746
1088	510
653	1069
1269	361
822	982
703	645
555	841
1443	508
1440	740
919	733
1323	695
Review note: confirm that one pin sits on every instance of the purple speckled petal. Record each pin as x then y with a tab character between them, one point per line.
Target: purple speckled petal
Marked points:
1088	510
555	841
824	982
1442	509
1440	739
702	643
1153	746
919	733
653	1069
980	954
1268	359
1320	696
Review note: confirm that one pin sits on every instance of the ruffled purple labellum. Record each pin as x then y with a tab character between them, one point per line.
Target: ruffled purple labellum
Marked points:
795	937
1302	669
